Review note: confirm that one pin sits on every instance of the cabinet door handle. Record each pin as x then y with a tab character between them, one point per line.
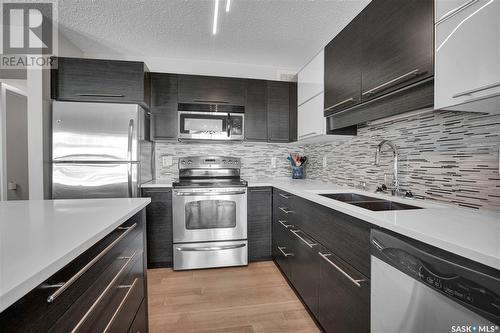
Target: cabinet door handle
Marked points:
296	233
100	95
286	211
349	100
392	82
455	11
130	288
357	282
472	91
281	248
285	196
105	291
283	223
67	284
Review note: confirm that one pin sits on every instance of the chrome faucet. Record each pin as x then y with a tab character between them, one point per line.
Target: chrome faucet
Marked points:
395	189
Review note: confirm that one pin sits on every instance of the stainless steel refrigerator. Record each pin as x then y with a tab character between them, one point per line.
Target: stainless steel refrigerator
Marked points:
99	150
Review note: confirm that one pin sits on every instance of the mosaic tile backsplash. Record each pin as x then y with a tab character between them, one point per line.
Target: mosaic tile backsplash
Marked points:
445	156
255	157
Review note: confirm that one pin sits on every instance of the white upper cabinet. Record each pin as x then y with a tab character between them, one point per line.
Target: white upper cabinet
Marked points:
467	69
311	122
310	78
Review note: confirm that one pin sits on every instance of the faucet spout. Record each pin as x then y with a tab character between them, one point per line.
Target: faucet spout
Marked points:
395	152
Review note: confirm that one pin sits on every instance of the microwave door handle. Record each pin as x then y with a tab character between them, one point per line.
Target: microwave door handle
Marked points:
228	125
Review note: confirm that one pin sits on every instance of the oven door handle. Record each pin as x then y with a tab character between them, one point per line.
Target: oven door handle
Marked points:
208	193
210	248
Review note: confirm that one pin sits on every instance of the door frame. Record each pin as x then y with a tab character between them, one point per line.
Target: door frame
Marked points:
4	87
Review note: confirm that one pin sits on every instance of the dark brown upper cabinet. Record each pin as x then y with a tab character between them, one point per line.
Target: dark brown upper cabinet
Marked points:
398	45
256	110
281	111
97	80
211	89
164	105
343	68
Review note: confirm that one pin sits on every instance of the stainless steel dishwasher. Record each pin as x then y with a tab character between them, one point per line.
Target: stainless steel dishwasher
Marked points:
418	288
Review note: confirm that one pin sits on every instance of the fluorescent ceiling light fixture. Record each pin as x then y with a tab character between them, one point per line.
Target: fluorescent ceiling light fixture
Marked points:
216	17
228	4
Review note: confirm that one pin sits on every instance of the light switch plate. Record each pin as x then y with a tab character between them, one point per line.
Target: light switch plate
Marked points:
325	163
166	160
273	162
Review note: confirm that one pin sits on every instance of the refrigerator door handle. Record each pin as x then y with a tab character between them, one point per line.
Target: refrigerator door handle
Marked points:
130	138
129	181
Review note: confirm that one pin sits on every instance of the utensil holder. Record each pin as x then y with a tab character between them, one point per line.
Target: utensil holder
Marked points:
298	172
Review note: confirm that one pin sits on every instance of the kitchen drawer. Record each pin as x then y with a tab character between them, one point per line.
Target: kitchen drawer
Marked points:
140	323
282	246
343	305
110	304
346	236
34	313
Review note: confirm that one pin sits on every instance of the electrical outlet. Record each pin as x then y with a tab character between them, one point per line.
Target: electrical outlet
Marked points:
273	162
166	160
324	162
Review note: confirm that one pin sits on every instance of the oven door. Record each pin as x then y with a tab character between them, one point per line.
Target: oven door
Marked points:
210	214
204	125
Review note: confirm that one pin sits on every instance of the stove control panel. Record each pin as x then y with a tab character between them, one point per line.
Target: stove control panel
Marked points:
209	162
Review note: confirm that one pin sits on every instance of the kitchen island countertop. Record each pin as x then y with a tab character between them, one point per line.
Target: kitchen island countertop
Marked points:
39	237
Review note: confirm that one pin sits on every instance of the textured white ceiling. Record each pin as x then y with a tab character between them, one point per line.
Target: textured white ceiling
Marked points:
273	33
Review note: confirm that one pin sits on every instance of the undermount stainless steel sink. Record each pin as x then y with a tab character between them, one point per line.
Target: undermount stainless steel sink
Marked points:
367	202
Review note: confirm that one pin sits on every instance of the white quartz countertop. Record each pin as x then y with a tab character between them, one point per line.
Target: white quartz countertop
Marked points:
466	232
39	237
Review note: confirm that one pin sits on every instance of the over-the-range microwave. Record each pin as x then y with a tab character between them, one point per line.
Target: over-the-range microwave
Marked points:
211	122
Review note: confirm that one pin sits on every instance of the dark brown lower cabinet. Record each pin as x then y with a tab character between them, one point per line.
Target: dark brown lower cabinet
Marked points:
140	323
259	223
344	307
309	245
305	268
159	227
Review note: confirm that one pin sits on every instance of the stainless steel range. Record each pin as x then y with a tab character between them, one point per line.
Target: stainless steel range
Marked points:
209	213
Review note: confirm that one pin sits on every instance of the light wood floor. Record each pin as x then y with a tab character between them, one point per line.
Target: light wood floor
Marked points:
238	299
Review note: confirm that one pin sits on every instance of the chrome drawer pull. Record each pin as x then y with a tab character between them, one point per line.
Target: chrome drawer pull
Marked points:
284	253
286	211
129	287
210	248
208	193
455	11
356	282
285	196
472	91
340	103
100	95
387	84
285	225
105	291
75	277
296	233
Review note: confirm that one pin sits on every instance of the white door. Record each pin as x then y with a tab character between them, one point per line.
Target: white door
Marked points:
467	54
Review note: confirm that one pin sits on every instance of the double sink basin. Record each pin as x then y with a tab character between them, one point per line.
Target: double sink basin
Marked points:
367	202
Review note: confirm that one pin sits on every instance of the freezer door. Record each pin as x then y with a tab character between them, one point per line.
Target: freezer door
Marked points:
94	180
97	131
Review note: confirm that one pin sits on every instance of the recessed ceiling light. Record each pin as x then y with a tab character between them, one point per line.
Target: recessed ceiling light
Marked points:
216	17
228	4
